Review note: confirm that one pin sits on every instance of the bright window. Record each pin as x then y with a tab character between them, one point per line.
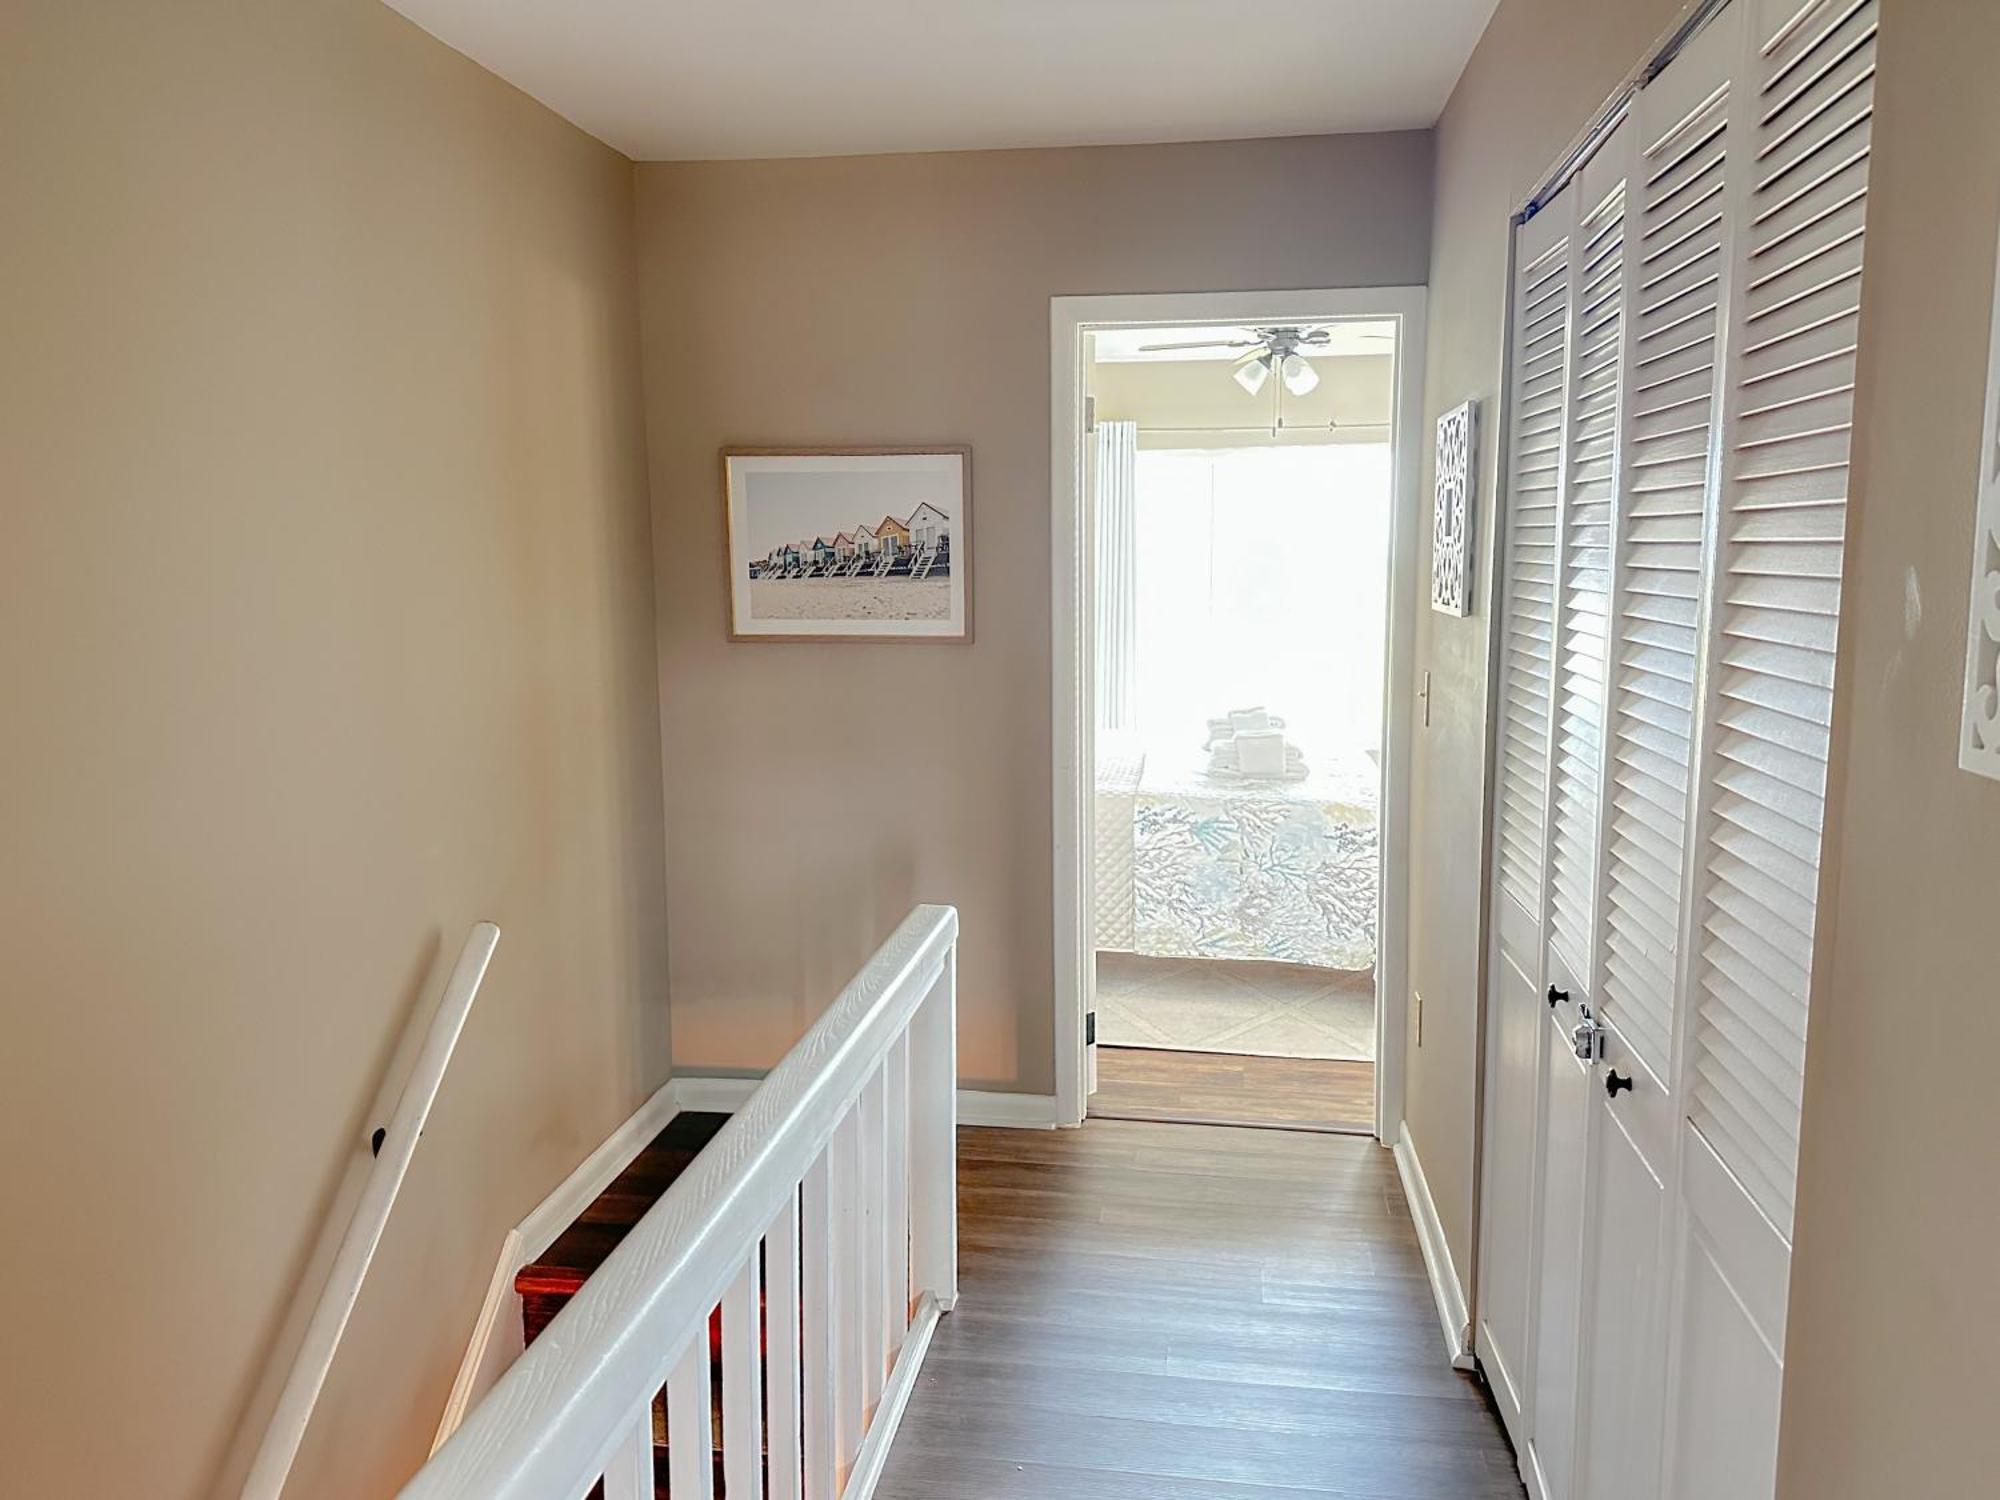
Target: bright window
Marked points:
1262	577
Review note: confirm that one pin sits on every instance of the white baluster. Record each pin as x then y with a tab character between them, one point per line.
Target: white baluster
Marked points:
818	1366
629	1475
934	1138
847	1398
743	1386
782	1297
897	1171
874	1254
690	1423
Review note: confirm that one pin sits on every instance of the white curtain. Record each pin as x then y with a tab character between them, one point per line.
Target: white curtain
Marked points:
1263	579
1117	573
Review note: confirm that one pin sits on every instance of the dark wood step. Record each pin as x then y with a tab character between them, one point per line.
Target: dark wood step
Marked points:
580	1249
547	1284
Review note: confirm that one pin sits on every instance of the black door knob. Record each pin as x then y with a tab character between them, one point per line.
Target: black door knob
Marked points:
1614	1082
1556	996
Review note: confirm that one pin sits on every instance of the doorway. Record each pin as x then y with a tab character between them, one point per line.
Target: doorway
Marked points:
1234	515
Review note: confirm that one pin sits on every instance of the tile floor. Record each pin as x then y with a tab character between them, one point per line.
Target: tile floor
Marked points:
1220	1005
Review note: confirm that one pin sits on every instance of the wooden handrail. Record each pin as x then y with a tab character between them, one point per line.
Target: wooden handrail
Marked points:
819	1143
272	1464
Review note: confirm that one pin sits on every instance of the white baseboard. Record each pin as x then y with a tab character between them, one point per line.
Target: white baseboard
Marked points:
1014	1111
1446	1289
975	1106
496	1334
712	1095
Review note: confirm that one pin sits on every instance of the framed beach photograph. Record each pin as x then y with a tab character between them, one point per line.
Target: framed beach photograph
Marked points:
849	543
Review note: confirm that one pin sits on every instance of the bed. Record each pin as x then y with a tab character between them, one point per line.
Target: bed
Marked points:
1193	865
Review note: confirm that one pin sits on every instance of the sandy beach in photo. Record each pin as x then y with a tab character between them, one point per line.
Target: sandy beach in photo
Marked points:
850	599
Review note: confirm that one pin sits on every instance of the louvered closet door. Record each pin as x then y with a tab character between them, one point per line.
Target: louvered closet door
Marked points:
1677	168
1590	473
1802	133
1532	459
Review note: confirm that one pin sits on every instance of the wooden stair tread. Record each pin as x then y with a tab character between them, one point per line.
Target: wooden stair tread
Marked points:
586	1244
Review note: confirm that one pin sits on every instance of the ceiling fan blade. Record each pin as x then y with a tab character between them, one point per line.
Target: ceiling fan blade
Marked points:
1205	344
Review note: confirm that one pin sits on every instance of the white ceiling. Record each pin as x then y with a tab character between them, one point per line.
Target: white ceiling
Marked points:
673	80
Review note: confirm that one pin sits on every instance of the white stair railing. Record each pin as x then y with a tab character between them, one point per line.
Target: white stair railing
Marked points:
834	1184
395	1143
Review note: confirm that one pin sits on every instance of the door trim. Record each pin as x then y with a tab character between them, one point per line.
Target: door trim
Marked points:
1072	601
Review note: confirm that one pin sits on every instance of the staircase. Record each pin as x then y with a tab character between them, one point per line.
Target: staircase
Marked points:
744	1310
547	1285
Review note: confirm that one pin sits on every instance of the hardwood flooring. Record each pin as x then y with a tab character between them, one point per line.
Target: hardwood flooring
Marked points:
1182	1312
1291	1093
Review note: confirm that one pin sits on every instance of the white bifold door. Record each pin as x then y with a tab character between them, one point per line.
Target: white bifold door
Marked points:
1681	368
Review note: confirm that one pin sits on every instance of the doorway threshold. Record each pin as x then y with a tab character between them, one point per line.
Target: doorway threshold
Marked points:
1316	1095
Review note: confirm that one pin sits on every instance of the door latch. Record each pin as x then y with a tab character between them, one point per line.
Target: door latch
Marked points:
1587	1040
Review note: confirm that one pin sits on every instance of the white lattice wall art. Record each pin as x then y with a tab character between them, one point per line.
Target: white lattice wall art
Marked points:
1979	739
1451	521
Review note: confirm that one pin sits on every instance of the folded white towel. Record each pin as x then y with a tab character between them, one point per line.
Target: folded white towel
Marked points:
1223	754
1260	752
1240	720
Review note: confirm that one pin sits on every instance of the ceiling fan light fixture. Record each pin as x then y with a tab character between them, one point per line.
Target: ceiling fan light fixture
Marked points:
1252	373
1299	375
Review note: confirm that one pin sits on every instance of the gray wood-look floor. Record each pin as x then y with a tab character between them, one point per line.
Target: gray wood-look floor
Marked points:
1190	1312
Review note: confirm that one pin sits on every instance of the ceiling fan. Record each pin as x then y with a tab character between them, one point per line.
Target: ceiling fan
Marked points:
1272	350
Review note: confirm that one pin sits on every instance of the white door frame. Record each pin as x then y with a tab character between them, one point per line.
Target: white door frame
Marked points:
1072	603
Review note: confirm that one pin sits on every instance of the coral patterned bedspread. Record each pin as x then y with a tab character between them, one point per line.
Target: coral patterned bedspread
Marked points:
1191	865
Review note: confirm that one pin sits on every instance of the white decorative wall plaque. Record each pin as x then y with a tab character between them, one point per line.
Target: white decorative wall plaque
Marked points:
1979	739
1451	520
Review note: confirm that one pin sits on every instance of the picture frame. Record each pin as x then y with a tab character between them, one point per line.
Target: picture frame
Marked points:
1452	510
848	543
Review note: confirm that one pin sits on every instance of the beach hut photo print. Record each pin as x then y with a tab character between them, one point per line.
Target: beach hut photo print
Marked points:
849	543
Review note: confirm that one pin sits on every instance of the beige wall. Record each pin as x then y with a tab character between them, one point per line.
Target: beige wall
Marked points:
1893	1301
1496	139
1889	1383
814	792
325	629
